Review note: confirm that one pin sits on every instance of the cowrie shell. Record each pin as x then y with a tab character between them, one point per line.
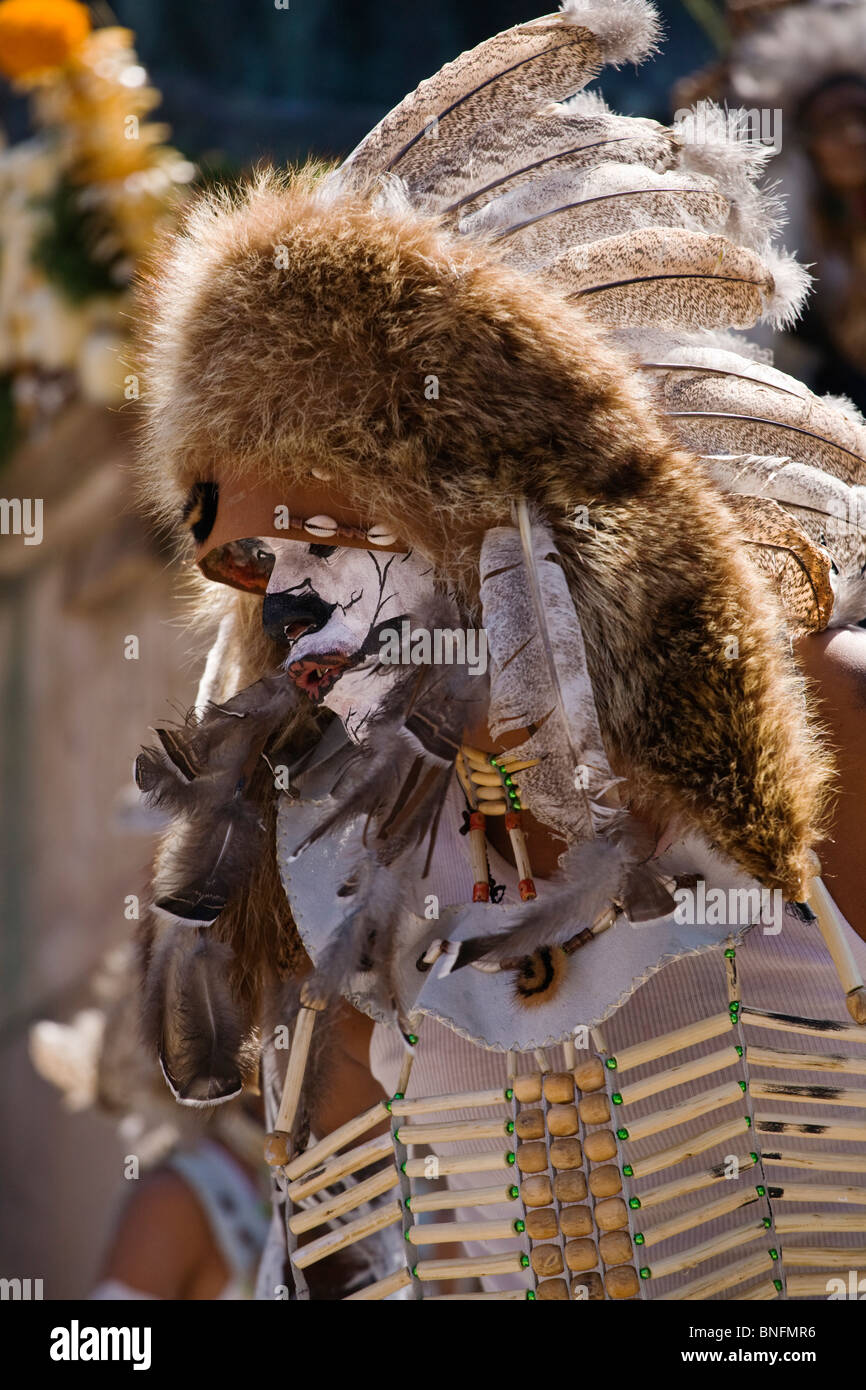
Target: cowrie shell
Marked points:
322	475
321	526
380	535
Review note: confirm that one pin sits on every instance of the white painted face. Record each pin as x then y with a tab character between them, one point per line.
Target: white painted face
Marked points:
332	605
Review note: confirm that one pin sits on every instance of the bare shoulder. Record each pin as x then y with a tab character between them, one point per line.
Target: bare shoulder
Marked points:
836	658
161	1237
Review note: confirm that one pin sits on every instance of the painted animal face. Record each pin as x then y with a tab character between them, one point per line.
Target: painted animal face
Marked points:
332	608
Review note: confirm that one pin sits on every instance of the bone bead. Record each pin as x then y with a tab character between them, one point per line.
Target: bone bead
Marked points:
562	1120
552	1290
558	1087
600	1146
615	1247
621	1282
546	1260
278	1148
611	1214
581	1255
536	1191
532	1158
527	1088
595	1110
541	1224
570	1186
587	1288
589	1076
606	1181
566	1153
575	1221
529	1125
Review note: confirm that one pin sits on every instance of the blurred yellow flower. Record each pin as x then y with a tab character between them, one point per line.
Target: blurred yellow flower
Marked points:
37	35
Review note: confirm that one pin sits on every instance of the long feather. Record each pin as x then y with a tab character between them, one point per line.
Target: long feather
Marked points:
517	70
204	1039
666	278
201	771
610	199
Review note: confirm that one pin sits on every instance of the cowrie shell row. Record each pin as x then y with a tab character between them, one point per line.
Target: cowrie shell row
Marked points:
321	526
380	535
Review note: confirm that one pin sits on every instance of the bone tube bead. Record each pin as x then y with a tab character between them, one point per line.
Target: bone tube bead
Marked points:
611	1214
621	1282
615	1247
594	1110
606	1181
558	1087
600	1146
541	1224
581	1255
546	1260
529	1125
566	1153
575	1221
570	1186
589	1076
536	1191
555	1290
587	1288
532	1158
562	1120
527	1088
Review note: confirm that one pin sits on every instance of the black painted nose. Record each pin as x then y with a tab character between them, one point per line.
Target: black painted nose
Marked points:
287	616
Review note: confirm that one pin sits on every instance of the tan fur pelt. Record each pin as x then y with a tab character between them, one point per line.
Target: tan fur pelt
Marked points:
288	328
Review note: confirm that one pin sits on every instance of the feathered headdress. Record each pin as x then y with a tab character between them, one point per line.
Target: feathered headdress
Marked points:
497	234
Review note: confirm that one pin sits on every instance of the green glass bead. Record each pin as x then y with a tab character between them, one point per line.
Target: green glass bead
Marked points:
509	1126
524	1261
748	1120
622	1134
408	1202
777	1285
743	1087
513	1192
767	1223
509	781
761	1191
753	1157
510	1158
520	1227
398	1095
739	1050
405	1235
734	1006
530	1295
388	1106
616	1098
611	1062
774	1254
402	1167
639	1238
634	1203
413	1038
627	1170
730	953
509	1094
645	1273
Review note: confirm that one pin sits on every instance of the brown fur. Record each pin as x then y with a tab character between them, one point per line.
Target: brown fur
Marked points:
324	361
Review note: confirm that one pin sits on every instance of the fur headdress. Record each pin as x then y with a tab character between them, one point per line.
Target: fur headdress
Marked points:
296	324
